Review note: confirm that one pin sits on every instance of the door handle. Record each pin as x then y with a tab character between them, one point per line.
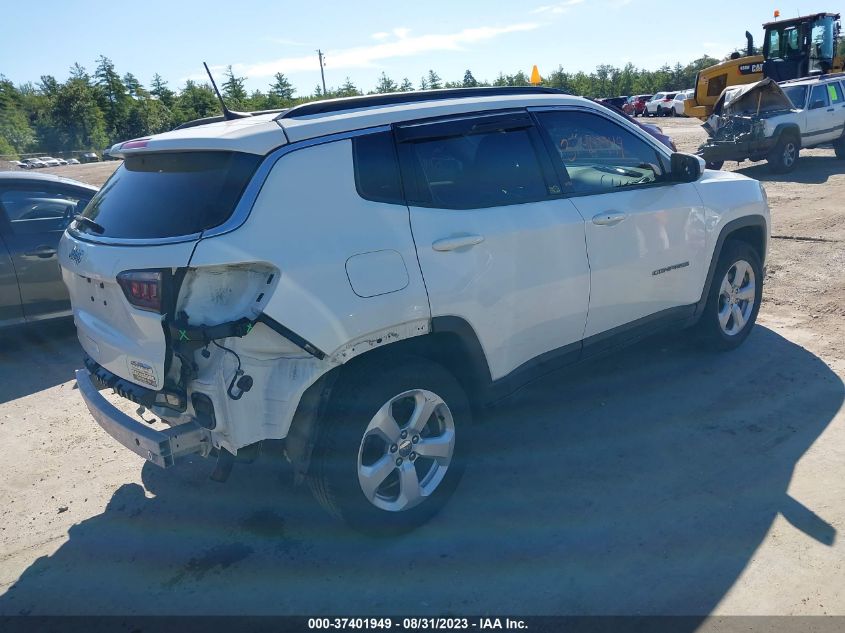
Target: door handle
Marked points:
456	242
608	219
830	109
44	252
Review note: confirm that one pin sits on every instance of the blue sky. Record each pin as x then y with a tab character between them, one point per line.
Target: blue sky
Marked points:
361	39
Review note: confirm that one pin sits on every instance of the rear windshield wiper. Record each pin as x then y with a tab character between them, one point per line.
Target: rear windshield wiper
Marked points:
97	228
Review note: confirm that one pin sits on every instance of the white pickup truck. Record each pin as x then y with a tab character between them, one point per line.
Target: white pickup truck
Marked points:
773	122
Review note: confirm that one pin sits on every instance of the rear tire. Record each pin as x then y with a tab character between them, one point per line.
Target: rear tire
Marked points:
783	158
734	297
839	148
392	446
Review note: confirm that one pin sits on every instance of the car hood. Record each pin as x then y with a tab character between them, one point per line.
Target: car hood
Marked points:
759	98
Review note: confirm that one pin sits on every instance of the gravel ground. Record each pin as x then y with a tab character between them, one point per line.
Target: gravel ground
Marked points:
661	480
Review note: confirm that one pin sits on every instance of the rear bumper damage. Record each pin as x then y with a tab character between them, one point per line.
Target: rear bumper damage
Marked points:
162	448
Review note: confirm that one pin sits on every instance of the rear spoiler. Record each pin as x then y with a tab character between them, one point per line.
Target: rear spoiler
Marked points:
218	118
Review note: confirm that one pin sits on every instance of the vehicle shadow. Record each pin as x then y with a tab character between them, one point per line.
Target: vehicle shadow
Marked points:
812	170
641	483
49	351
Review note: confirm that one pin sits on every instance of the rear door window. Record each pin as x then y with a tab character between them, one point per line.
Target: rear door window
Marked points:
834	92
474	164
169	194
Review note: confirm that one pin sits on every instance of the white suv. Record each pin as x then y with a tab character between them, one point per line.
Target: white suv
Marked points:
661	104
774	122
358	276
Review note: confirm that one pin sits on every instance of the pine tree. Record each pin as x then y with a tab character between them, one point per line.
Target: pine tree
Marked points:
386	84
348	89
133	86
406	85
158	88
469	81
114	100
233	89
434	81
282	88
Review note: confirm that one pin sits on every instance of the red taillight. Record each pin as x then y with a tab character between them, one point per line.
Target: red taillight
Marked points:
142	288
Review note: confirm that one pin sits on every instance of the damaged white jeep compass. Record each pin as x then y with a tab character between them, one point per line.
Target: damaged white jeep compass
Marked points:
356	277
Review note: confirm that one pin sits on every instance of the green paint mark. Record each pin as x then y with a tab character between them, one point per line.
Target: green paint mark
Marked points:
248	328
183	335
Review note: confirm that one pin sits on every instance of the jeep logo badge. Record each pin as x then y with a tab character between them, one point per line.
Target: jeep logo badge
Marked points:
75	255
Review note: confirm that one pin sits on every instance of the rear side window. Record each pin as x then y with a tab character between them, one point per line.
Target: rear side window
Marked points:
31	211
377	168
169	194
834	92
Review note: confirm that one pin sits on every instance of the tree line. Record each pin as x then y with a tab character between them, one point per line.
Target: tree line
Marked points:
91	111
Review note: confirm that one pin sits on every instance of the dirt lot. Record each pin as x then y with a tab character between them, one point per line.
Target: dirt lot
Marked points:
678	482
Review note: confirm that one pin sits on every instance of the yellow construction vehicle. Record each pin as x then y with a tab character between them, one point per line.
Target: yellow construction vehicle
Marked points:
799	47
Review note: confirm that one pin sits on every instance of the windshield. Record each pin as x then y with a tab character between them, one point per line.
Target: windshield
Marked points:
821	44
797	95
168	195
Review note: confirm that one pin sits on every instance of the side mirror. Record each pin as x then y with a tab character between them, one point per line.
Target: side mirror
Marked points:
686	167
818	103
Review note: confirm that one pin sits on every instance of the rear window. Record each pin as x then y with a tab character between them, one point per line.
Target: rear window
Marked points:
169	194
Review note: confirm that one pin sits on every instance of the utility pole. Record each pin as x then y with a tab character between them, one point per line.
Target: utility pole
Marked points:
322	74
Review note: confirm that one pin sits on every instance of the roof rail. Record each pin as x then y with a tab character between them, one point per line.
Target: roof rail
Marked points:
218	118
813	77
327	106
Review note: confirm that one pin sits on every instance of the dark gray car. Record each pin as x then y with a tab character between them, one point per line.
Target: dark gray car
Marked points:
35	209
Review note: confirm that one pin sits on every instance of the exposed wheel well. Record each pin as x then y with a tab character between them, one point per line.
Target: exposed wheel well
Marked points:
456	348
452	343
791	131
753	235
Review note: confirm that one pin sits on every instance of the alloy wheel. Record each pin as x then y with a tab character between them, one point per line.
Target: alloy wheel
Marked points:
736	298
406	450
789	153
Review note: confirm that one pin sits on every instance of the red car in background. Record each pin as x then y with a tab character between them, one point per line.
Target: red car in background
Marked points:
635	105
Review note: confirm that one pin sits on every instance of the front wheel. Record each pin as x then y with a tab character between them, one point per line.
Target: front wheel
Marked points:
734	297
784	156
392	445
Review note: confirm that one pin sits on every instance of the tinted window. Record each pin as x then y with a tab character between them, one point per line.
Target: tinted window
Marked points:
40	210
476	170
818	94
167	195
377	168
599	155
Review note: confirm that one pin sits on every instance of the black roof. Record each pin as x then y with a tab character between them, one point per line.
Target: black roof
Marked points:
803	18
394	98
